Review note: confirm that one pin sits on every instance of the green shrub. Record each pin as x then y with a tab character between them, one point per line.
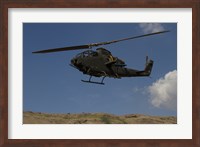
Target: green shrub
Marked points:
105	120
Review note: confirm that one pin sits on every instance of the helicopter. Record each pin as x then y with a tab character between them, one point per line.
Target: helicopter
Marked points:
101	63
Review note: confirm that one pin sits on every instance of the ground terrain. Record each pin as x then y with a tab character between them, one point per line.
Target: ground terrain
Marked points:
94	118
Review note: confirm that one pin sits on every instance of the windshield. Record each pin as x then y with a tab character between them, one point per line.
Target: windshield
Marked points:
87	53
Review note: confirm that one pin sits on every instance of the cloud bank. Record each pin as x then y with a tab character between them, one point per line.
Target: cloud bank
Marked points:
151	27
163	93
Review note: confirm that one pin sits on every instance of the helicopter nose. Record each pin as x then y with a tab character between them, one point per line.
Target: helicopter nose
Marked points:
73	61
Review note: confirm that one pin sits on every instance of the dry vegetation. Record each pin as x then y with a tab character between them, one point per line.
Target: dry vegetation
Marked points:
94	118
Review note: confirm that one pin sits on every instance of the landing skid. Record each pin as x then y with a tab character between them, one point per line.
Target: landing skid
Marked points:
93	82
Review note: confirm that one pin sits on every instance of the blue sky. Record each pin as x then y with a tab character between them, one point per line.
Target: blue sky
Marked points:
50	85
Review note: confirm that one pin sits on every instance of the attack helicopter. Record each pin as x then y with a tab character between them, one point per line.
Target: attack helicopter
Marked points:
101	63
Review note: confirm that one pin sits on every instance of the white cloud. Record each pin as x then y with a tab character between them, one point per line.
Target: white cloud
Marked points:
151	27
140	90
163	93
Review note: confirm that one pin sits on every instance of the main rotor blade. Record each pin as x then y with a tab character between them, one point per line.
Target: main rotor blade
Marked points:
63	49
114	41
94	44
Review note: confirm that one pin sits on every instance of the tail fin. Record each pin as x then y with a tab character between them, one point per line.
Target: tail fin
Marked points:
148	68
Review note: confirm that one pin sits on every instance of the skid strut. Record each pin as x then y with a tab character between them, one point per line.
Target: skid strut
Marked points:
93	82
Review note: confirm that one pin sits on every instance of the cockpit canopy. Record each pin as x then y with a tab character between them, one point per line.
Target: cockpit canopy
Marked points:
87	53
91	53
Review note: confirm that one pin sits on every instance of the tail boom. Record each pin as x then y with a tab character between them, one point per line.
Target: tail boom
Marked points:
127	72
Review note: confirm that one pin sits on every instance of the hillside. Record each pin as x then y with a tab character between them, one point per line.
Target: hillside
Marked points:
94	118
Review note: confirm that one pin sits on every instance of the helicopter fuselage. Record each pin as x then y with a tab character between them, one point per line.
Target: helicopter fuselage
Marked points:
101	63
